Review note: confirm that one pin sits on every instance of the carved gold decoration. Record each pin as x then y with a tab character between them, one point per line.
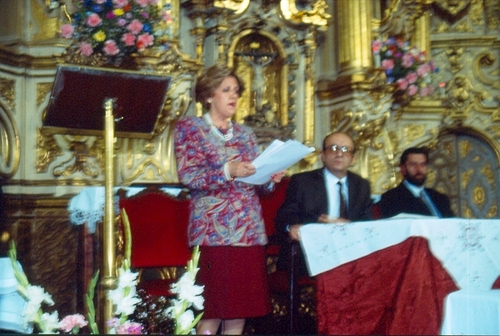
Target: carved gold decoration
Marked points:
47	151
477	13
466	178
455	58
488	172
465	149
479	196
492	8
463	99
452	7
77	163
400	19
9	143
356	123
41	92
483	60
7	91
238	6
414	132
153	160
310	15
44	26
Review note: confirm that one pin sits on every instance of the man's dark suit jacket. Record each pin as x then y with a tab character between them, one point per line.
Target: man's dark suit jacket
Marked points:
306	199
401	200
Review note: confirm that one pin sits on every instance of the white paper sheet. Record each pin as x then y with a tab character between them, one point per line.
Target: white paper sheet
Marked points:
277	157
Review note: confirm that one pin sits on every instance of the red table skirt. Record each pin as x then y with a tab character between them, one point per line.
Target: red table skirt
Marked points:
397	290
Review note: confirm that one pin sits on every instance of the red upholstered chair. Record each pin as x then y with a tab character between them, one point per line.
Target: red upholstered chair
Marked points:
283	283
270	203
160	251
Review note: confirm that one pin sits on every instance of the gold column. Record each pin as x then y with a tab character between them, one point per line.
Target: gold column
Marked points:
310	49
421	38
109	278
354	34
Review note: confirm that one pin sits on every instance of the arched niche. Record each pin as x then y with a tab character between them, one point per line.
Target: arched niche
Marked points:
260	61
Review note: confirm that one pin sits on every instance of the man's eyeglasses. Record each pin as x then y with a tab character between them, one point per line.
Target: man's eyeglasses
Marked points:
335	148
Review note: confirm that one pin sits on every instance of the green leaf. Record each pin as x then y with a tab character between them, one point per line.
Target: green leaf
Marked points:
89	303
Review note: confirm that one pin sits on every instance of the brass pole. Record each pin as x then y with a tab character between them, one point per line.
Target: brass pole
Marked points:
109	278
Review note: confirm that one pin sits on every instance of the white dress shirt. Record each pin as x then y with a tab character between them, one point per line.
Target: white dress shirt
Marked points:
332	190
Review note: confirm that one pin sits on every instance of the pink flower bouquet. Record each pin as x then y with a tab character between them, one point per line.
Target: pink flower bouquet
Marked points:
72	323
405	66
117	28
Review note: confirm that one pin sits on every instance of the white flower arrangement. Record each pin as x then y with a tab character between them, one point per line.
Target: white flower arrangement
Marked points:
35	295
188	295
124	299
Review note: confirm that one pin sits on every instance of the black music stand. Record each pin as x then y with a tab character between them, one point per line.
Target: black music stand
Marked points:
106	102
79	92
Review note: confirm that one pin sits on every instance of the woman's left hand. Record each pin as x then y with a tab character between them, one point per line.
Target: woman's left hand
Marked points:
276	178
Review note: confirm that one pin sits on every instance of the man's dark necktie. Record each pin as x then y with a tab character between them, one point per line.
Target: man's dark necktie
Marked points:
342	206
428	202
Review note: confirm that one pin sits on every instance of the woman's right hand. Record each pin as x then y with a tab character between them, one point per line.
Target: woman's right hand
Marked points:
241	169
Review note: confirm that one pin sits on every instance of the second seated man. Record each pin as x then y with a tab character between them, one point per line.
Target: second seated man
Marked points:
410	196
317	196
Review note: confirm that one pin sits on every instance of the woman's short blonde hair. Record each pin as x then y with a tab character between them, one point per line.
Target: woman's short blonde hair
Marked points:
210	79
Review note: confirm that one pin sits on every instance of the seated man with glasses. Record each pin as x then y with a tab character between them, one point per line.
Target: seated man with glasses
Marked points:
410	196
330	195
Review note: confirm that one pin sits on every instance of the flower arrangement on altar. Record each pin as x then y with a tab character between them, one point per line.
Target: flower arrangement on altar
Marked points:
115	29
124	298
404	65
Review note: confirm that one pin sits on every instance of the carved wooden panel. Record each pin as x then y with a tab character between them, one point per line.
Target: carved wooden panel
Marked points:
48	249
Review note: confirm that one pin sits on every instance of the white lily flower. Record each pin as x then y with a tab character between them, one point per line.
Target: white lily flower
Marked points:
126	305
38	295
50	322
187	290
186	319
115	295
30	311
127	278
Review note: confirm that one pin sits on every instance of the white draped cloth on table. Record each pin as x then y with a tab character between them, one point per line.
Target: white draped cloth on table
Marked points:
469	249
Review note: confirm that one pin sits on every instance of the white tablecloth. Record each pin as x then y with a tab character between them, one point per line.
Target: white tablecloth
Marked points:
468	249
472	313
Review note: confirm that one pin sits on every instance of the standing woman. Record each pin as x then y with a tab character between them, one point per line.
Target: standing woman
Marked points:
225	215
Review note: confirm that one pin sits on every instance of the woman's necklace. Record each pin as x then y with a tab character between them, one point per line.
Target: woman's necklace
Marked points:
213	129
